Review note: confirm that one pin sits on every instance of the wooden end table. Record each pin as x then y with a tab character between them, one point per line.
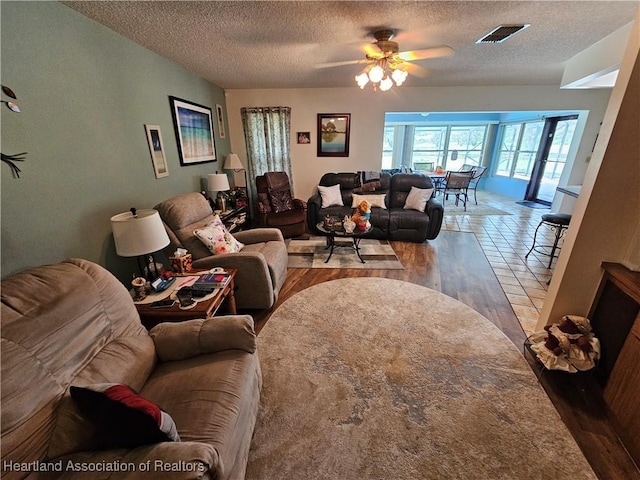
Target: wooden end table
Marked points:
150	317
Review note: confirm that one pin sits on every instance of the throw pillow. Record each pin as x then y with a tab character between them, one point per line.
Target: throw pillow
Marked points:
374	200
330	196
281	201
418	198
217	238
125	418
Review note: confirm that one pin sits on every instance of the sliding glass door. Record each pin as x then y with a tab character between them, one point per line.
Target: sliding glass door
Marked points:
551	158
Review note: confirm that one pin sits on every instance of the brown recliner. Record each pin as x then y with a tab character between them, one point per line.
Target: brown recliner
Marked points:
276	206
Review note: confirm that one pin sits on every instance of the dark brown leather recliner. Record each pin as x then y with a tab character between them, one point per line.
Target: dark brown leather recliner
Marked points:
276	206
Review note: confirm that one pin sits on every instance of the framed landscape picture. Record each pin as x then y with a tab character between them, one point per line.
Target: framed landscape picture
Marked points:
333	134
194	132
156	147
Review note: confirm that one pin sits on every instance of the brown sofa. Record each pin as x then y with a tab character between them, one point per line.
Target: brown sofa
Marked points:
393	222
74	324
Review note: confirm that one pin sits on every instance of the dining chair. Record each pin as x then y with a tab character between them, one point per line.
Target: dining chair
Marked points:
475	179
457	183
423	166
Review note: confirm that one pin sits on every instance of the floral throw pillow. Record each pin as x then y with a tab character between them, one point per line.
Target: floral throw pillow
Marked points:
217	238
281	201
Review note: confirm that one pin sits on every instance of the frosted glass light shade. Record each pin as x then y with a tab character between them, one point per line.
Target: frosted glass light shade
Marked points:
362	79
140	234
376	74
385	84
217	182
399	76
233	162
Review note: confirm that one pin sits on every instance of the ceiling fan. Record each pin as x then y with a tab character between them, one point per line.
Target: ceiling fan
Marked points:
386	64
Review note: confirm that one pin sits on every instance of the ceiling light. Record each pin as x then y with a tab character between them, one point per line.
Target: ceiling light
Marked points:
382	75
362	79
386	83
376	74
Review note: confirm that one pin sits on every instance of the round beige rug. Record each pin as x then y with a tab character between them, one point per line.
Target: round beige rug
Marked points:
371	378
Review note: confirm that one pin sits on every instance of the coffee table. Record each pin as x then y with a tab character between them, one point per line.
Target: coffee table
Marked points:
204	308
332	233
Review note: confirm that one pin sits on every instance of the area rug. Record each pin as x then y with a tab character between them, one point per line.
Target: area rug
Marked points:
472	209
312	253
530	204
373	378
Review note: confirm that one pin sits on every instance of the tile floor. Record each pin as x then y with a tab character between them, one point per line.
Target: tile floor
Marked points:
506	239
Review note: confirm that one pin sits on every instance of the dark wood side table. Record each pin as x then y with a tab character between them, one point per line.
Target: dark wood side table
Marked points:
234	219
150	317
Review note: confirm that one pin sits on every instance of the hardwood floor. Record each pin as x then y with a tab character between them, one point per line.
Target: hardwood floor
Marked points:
455	264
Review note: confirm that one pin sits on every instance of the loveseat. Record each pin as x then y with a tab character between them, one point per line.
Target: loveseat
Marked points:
72	325
393	222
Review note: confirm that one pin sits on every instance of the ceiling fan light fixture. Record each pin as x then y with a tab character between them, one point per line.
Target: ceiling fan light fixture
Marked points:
376	74
362	79
399	76
386	83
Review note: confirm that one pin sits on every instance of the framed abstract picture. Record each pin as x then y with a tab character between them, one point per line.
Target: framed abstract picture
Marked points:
333	134
194	132
156	148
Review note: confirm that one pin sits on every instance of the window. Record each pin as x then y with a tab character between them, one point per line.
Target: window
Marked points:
466	145
559	149
429	145
387	147
518	149
448	146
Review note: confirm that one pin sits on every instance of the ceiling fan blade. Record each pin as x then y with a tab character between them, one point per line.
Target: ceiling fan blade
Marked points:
372	50
416	70
434	52
340	64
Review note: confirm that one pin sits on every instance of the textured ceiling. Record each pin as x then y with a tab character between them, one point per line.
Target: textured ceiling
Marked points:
276	44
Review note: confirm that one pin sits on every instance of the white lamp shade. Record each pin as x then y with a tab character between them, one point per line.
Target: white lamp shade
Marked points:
217	182
138	235
233	162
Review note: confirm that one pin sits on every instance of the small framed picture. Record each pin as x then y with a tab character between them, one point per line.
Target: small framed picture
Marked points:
304	137
220	117
156	148
333	134
194	132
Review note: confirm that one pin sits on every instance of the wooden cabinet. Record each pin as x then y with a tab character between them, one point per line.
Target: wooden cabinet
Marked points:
615	318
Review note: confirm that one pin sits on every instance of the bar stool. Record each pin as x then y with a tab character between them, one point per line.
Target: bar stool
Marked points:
558	222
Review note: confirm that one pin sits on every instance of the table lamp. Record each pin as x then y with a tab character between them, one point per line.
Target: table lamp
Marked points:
218	182
233	163
139	233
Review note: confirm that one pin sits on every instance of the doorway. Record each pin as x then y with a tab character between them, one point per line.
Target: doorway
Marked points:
551	158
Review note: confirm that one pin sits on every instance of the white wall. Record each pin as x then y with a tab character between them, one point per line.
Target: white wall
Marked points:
606	221
367	111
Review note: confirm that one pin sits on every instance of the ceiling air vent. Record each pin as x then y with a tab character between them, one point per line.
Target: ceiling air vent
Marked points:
502	32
